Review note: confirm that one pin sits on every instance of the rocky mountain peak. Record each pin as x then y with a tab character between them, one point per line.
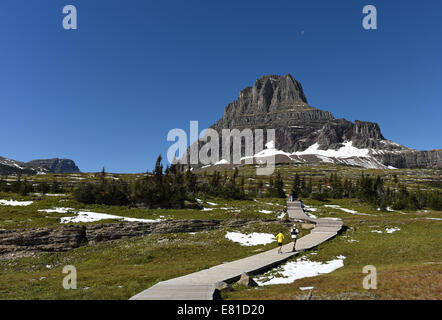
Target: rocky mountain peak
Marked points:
270	93
302	131
280	89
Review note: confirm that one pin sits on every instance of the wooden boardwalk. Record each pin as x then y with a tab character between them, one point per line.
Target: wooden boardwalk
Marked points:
201	285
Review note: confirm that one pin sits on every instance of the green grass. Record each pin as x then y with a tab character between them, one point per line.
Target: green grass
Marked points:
409	258
121	268
29	217
408	263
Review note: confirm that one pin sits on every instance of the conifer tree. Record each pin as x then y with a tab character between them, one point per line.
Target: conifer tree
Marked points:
296	188
278	191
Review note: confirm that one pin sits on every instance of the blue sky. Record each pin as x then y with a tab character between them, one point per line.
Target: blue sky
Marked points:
108	93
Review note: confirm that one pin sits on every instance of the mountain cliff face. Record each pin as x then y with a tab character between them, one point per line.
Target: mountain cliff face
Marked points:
304	133
8	166
55	165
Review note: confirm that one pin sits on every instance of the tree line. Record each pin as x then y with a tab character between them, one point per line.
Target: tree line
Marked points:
175	187
24	187
370	190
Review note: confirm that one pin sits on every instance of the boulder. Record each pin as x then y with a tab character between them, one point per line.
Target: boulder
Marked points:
247	281
222	286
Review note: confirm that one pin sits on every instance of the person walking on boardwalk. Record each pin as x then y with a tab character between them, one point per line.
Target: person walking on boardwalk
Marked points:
280	237
294	232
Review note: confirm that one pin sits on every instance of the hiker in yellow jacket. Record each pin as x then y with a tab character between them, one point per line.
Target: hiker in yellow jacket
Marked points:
280	237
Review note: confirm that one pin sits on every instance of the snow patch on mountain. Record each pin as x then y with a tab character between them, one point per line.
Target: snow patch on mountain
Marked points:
347	151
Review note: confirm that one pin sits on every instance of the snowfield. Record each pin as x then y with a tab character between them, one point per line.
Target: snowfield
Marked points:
301	268
347	151
57	210
252	239
222	161
15	203
335	206
347	154
268	152
438	219
308	208
86	216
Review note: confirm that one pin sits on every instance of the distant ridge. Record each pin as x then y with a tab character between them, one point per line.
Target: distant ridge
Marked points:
55	165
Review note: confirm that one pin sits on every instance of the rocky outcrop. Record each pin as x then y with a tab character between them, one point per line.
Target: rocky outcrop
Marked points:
29	241
278	102
416	159
97	233
25	242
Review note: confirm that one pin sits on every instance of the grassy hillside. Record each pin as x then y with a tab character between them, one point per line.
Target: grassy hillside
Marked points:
408	260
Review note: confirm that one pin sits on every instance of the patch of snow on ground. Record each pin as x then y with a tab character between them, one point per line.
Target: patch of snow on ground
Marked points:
310	208
301	268
439	219
335	206
15	203
272	204
265	211
211	203
391	230
50	194
207	209
86	216
387	230
252	239
57	210
306	288
282	215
